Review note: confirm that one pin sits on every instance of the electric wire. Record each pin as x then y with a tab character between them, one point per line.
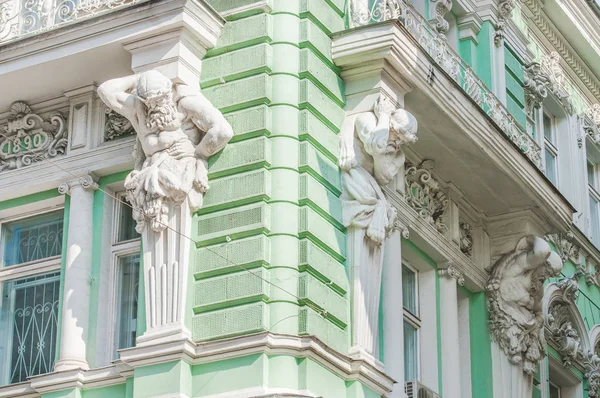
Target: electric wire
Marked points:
197	244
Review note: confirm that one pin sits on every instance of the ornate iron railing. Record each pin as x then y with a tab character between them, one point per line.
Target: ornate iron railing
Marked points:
364	12
20	18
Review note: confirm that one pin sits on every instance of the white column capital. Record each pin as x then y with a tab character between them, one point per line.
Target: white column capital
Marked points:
452	272
86	182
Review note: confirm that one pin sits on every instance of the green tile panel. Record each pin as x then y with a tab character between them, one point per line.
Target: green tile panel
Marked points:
515	109
314	99
315	293
232	289
229	257
312	323
515	88
514	65
231	322
321	232
320	12
322	265
319	166
250	123
237	223
239	94
240	156
313	194
313	68
319	135
243	33
240	8
237	64
338	5
239	189
313	37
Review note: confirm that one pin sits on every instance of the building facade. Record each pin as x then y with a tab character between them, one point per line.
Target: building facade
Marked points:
326	198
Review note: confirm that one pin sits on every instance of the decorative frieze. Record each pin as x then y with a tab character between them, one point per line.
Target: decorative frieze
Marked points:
19	18
550	66
466	238
566	337
27	137
514	293
116	126
535	85
439	9
424	195
590	121
505	7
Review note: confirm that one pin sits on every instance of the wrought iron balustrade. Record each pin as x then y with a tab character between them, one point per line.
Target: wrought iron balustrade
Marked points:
19	18
364	12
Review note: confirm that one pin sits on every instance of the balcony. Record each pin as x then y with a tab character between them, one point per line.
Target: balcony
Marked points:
447	59
21	18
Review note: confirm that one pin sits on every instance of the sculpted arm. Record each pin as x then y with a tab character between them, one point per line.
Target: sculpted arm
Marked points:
115	94
208	119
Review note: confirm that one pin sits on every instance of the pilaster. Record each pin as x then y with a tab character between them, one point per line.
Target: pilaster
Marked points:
451	381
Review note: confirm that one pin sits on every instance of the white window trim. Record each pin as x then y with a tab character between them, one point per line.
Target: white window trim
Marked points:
44	265
549	144
593	191
414	319
31	268
117	250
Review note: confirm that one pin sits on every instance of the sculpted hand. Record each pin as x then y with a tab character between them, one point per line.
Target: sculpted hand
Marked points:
181	149
347	159
383	107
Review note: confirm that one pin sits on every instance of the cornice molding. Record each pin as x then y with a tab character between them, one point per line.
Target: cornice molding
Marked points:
199	353
567	53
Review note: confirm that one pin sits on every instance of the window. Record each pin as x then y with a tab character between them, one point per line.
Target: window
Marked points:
29	282
550	150
554	391
412	323
594	196
126	269
32	239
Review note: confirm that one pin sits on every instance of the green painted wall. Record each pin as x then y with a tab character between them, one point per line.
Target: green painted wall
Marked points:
514	77
481	347
485	53
273	206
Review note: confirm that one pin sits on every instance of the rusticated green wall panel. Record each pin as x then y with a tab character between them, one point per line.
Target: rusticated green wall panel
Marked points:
273	207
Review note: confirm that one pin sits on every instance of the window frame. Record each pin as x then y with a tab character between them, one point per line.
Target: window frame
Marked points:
549	144
117	250
28	269
414	320
593	192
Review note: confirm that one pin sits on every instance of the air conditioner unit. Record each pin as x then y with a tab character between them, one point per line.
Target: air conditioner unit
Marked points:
414	389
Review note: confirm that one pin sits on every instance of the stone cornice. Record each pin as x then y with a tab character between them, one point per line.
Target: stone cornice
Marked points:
549	32
199	353
397	52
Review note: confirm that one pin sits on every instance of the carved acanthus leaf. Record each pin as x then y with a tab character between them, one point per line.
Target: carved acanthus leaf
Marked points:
570	288
27	137
536	85
453	272
466	238
564	243
424	195
116	126
550	66
441	8
563	334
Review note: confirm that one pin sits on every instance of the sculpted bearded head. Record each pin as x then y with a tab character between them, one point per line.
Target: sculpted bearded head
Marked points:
155	90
